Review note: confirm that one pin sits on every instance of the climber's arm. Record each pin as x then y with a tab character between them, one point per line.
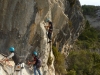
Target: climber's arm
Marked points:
31	63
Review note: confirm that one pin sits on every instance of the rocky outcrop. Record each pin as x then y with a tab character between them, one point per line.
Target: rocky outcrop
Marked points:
22	26
7	68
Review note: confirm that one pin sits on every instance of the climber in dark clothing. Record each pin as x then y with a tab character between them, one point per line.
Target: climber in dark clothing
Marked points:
13	56
50	29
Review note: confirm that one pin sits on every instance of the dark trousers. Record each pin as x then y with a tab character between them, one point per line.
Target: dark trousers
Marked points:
49	35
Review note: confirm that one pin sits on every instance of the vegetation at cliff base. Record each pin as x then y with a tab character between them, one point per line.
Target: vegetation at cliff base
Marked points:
83	63
84	59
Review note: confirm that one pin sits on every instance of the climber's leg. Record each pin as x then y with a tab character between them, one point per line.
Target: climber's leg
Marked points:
49	36
34	70
38	69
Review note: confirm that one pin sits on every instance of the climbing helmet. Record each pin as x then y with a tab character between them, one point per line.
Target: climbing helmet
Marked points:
11	49
35	53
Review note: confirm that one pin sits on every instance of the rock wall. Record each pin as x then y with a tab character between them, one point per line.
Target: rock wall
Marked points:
22	26
7	68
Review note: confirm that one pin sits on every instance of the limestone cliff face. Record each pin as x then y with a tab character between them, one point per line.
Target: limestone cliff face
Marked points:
22	26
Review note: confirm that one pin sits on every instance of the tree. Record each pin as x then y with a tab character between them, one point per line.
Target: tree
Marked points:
83	63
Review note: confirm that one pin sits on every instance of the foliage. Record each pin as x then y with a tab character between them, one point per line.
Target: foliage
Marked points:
71	72
89	33
50	59
83	63
59	61
88	38
90	10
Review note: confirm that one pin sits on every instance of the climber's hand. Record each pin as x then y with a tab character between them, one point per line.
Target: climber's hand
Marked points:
5	59
29	63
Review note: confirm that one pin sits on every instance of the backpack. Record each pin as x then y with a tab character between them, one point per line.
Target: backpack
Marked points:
38	64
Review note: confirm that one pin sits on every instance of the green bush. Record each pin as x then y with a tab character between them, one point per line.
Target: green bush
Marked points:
83	63
59	61
88	38
71	72
86	45
50	59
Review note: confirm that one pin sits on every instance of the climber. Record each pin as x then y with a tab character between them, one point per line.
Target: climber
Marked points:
50	31
49	28
15	58
34	62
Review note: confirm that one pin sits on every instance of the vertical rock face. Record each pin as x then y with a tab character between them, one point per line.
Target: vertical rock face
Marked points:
22	26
